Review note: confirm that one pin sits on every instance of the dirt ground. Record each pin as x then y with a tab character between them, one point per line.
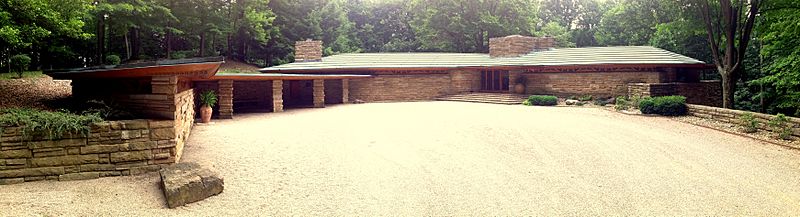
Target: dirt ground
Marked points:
449	158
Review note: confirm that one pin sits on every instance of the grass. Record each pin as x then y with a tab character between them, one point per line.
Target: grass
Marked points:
28	74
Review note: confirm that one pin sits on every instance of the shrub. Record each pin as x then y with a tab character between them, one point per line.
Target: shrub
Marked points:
780	125
19	63
542	100
53	124
586	98
749	122
622	104
113	60
208	98
664	105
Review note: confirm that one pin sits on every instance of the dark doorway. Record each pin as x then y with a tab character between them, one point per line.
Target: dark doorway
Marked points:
494	80
298	94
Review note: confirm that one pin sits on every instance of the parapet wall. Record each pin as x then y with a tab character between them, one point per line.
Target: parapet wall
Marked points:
112	148
732	116
704	93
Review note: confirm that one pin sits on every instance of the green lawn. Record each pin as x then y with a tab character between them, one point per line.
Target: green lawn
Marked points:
29	74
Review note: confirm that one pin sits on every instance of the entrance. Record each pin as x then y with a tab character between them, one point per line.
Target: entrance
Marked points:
494	80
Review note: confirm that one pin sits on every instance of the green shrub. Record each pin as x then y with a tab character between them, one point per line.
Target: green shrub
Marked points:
113	60
53	124
542	100
622	103
664	105
749	122
781	125
586	98
208	98
20	63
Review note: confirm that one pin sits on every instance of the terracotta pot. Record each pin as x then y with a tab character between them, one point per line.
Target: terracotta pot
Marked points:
205	114
519	88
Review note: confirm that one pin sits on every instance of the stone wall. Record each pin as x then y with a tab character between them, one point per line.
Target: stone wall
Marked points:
598	84
465	81
732	116
401	87
308	51
183	120
702	93
112	148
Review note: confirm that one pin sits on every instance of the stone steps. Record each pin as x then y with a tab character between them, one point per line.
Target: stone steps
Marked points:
493	98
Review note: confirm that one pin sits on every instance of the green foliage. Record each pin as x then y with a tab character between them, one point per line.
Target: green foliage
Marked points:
53	124
113	60
208	98
781	125
105	110
664	105
779	29
28	74
542	100
749	122
586	98
622	103
562	35
20	63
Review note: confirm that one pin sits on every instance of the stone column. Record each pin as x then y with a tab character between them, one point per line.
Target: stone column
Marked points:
345	91
512	77
277	95
225	99
319	93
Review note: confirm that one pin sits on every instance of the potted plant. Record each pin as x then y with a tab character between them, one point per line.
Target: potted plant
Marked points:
519	84
207	100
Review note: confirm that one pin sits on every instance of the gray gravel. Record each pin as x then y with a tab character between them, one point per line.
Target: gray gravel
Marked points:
448	158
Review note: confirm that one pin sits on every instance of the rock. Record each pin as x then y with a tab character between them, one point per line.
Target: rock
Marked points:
571	102
185	183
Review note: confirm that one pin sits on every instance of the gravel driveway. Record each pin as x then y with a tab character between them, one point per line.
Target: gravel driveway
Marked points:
449	158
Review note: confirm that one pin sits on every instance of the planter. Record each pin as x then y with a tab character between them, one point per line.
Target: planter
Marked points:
519	88
205	114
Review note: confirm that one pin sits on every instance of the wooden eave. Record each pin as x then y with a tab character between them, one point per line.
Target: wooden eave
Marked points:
554	68
192	70
267	77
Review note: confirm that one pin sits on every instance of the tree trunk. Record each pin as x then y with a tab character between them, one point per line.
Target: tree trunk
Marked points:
100	51
136	44
202	45
127	46
728	88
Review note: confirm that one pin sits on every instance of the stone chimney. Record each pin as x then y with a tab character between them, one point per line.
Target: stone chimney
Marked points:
308	51
517	45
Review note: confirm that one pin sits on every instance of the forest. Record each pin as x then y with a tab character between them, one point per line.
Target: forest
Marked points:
755	44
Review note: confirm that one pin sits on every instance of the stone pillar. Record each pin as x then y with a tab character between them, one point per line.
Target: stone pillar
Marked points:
345	91
277	95
225	99
319	93
512	77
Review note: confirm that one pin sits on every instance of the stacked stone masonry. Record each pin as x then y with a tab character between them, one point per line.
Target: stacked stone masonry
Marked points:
598	84
319	93
225	99
517	45
308	51
112	148
277	96
732	116
702	93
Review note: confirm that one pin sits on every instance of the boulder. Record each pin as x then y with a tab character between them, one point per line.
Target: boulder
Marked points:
185	183
571	102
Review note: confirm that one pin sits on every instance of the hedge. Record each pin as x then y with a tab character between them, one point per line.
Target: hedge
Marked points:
664	105
541	100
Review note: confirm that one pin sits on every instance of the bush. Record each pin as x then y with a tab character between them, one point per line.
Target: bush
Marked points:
664	105
586	98
542	100
749	122
780	125
208	98
53	124
113	60
20	63
622	104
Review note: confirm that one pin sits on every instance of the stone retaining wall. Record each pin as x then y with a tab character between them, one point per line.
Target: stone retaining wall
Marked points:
112	148
704	93
732	116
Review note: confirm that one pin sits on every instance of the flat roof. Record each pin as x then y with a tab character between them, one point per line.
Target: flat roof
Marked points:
617	56
194	67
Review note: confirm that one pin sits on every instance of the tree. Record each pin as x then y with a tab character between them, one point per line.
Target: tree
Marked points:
781	50
728	26
20	63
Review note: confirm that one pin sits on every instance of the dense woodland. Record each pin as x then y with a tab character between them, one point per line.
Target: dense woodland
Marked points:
754	43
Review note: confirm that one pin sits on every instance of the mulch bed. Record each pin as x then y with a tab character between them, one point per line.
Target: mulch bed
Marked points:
38	92
735	129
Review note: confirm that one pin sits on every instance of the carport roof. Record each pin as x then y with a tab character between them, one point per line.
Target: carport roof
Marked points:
280	76
194	67
625	55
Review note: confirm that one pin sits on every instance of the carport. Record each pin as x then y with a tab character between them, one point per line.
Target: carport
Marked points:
274	92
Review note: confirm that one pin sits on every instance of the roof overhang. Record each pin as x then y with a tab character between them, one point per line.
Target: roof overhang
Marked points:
193	68
499	67
279	76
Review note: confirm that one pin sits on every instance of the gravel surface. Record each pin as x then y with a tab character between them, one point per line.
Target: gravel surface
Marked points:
739	130
450	158
32	92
